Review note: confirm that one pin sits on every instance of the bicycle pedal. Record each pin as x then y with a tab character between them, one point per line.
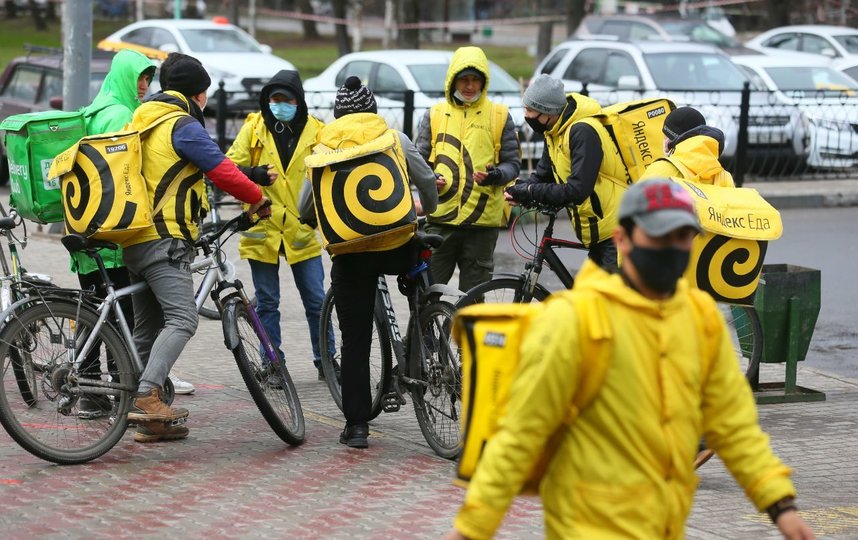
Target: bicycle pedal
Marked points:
391	402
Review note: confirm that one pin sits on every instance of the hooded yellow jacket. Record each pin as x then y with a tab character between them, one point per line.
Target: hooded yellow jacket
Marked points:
281	231
466	143
595	219
624	468
695	158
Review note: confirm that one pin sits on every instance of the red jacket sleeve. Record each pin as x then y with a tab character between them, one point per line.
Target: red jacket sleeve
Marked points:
227	177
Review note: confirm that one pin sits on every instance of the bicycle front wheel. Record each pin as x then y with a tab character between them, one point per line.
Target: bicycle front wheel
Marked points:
209	309
269	383
500	290
50	426
331	346
437	365
746	333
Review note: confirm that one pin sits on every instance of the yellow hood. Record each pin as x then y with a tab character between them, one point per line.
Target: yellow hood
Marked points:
700	155
156	107
464	58
584	107
352	130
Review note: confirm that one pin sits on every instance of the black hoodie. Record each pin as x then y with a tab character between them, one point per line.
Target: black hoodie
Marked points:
285	134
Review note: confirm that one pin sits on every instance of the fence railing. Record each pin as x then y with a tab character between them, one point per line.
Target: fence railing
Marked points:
768	135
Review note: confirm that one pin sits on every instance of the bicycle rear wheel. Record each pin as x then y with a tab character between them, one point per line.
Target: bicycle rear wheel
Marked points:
746	333
25	374
380	356
500	290
438	402
269	384
48	334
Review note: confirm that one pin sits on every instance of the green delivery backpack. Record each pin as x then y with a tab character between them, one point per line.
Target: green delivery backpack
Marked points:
32	141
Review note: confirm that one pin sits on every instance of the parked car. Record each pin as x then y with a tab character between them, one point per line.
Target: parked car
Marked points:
390	73
816	39
35	83
828	99
228	53
689	74
643	27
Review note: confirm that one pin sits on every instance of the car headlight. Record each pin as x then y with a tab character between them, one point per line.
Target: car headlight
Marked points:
833	125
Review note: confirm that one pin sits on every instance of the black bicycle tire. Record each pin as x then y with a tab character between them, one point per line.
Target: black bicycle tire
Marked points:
108	336
382	339
750	337
418	393
514	284
291	432
25	376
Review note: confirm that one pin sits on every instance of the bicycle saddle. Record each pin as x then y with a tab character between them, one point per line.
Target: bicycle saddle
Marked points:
76	242
428	240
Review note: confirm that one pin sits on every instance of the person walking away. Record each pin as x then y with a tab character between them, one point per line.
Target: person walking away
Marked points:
580	167
176	155
691	150
472	145
623	467
273	144
366	175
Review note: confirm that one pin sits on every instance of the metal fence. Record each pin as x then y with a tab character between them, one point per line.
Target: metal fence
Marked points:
768	135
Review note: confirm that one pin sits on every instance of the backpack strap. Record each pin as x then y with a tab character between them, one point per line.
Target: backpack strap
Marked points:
255	141
497	122
434	119
174	185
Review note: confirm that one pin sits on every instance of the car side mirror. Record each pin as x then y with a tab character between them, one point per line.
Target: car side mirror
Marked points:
169	48
56	103
629	82
266	49
830	53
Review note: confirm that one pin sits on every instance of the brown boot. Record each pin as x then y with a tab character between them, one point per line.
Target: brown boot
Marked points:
160	431
148	407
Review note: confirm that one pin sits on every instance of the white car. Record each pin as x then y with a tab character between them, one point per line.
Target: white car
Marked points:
389	74
228	53
689	74
828	99
816	39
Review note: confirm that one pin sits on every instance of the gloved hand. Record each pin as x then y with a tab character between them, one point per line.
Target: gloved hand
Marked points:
493	176
311	222
258	175
520	193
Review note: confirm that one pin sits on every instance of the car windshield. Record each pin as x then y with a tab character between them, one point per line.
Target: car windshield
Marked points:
430	79
810	78
694	71
699	32
849	42
220	40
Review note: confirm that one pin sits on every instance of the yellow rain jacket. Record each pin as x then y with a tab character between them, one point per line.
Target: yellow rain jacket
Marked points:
624	468
281	232
695	159
594	220
469	138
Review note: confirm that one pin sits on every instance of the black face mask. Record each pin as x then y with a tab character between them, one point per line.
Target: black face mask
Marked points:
660	269
536	125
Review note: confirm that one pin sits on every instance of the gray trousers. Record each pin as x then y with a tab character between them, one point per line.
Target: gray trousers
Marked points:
165	315
472	249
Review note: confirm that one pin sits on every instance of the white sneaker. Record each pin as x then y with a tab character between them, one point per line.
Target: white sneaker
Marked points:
180	386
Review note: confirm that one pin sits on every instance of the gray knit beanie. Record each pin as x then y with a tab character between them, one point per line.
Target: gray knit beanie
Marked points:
545	95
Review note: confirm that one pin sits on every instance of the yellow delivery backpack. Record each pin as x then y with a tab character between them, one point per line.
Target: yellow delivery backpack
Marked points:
636	129
104	192
727	258
490	337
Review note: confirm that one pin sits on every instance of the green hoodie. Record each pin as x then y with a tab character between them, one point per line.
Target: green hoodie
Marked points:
111	110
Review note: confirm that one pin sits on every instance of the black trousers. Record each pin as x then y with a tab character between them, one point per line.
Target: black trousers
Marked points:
119	277
354	279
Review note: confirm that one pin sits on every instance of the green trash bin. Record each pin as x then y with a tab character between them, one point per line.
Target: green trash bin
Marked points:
787	301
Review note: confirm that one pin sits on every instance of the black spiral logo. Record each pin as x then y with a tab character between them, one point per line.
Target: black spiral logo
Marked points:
729	268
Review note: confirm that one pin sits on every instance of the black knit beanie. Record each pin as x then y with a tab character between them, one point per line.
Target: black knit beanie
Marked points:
353	97
681	120
184	74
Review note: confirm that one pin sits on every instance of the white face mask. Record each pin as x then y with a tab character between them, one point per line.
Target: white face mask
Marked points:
461	98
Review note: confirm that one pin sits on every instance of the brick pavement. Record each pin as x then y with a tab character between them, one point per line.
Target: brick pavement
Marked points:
233	478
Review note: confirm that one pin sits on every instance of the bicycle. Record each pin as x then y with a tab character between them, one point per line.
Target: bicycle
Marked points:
742	321
428	364
63	325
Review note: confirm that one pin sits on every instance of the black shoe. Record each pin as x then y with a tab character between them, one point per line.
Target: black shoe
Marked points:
355	436
274	382
92	406
336	372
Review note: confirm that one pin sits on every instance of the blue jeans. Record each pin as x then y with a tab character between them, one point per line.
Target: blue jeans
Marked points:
309	279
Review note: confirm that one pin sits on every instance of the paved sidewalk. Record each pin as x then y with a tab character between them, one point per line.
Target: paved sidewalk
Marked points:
233	478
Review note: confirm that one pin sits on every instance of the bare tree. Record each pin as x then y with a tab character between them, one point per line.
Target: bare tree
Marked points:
575	11
409	13
310	30
778	11
344	46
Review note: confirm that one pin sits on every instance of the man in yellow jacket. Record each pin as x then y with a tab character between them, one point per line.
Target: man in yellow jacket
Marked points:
623	469
691	150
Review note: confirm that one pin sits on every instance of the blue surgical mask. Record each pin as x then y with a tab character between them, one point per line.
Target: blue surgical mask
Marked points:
283	111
